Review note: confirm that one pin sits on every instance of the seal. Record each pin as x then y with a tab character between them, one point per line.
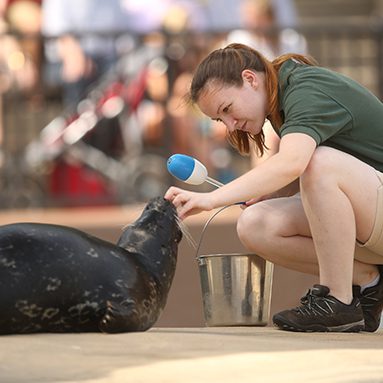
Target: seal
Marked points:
59	279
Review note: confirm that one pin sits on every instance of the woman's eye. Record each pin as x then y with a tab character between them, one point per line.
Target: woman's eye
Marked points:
226	109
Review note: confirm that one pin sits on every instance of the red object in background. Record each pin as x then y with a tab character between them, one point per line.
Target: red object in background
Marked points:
77	185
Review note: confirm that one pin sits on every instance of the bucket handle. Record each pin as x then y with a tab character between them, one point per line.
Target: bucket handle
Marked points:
207	223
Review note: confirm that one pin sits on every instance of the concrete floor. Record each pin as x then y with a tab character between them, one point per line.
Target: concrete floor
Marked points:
178	349
173	355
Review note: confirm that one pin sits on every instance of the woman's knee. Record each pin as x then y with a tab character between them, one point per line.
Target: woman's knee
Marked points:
250	219
257	224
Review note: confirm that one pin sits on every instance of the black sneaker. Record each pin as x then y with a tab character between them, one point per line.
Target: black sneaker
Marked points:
372	303
322	312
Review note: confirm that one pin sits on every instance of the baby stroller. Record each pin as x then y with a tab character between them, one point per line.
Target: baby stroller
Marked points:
128	173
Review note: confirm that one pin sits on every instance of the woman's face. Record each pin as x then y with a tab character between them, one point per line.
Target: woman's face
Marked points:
239	108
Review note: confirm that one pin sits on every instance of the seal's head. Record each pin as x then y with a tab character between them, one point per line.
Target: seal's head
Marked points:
154	238
164	214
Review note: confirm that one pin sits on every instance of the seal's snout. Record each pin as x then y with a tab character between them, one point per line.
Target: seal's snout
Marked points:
161	213
161	205
168	213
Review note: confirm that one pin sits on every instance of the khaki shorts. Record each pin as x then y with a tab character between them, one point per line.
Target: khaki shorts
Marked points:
372	250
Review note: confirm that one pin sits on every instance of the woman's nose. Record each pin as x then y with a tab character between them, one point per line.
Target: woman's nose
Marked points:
231	124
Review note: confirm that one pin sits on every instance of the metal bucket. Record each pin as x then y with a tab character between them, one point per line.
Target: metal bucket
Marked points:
236	288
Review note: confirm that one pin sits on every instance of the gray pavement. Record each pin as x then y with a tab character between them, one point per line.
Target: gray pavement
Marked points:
215	354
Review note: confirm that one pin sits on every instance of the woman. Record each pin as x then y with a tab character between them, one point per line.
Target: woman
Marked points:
316	205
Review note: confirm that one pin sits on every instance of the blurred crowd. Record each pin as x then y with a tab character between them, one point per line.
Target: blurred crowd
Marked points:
140	53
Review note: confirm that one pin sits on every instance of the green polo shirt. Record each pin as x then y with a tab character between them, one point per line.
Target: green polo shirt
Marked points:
332	109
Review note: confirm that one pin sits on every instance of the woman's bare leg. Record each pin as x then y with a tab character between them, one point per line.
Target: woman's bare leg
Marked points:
279	230
339	196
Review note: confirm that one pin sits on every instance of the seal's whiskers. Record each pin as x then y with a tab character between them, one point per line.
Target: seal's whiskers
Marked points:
186	232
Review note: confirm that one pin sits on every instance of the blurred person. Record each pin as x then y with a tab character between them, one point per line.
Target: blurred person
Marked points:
205	23
285	13
187	131
263	30
24	19
19	53
86	38
79	49
85	42
212	16
79	45
220	16
186	135
19	48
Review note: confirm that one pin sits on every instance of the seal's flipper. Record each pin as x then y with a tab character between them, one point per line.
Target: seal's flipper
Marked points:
120	318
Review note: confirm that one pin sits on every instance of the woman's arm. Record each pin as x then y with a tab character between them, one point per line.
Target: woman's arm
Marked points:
272	142
275	173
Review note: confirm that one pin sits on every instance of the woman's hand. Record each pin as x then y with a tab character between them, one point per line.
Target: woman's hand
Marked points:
189	203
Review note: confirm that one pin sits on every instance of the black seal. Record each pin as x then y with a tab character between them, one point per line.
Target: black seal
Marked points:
59	279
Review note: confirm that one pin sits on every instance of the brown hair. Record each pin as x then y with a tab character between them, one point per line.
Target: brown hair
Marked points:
226	65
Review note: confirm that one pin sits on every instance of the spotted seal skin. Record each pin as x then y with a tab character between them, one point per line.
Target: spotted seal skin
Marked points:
58	279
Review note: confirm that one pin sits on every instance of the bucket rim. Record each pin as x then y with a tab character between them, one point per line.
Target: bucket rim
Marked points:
228	255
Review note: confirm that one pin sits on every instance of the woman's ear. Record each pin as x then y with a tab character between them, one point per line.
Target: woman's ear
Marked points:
250	77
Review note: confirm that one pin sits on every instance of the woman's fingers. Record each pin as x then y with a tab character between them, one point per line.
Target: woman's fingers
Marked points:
171	193
179	198
187	208
188	202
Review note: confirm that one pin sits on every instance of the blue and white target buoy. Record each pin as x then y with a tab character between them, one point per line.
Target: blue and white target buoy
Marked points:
189	170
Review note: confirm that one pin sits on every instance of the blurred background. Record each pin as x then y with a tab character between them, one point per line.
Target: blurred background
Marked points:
92	92
92	105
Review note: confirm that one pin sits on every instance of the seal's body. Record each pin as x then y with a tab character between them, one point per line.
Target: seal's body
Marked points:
59	279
